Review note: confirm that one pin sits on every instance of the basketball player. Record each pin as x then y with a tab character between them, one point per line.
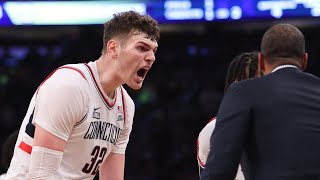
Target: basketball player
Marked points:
244	66
80	118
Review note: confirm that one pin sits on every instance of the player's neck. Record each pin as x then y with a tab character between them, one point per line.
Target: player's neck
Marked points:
108	76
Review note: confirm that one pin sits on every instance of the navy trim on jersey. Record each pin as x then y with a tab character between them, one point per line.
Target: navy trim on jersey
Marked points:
82	120
30	128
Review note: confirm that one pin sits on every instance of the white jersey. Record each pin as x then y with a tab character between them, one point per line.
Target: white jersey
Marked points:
203	147
71	105
3	176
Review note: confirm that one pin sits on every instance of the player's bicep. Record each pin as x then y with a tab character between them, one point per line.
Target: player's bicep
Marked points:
43	138
203	142
113	167
203	148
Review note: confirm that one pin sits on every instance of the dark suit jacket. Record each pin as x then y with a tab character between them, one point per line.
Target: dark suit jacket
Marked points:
275	121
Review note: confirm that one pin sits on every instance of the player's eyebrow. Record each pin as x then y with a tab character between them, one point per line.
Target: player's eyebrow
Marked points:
146	44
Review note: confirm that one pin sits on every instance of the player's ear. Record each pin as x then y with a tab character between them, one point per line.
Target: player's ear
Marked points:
304	62
261	63
112	48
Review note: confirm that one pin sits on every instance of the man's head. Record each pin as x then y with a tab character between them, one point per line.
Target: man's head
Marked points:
282	44
130	41
124	24
242	67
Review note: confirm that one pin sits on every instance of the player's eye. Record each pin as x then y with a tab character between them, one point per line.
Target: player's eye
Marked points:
142	49
154	51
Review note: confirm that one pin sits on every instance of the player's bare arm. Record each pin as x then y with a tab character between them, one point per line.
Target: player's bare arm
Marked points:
113	167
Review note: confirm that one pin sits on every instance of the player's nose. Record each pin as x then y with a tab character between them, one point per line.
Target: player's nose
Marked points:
150	58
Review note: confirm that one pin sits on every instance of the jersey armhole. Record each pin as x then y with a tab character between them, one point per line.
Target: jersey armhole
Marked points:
83	119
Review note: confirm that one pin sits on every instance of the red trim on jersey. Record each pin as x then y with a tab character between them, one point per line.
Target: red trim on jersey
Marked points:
212	119
104	98
58	69
198	157
124	105
199	160
25	147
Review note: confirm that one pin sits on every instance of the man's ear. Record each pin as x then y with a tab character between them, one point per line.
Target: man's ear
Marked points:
112	48
261	62
304	62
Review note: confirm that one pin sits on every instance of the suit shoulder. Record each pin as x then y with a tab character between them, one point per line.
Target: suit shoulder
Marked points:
239	86
311	76
254	82
246	89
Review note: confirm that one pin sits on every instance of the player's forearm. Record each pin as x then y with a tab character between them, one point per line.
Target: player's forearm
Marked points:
44	163
113	167
111	176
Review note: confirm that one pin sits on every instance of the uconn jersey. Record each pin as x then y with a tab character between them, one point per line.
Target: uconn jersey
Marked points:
71	105
203	147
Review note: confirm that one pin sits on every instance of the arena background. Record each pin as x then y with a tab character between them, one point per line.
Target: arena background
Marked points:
182	91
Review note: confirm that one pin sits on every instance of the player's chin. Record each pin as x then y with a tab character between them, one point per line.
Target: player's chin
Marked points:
135	85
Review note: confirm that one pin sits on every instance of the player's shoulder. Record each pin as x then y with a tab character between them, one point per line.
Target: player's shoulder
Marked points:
211	123
76	70
66	77
72	73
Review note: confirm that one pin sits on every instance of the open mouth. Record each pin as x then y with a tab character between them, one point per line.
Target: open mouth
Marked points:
142	72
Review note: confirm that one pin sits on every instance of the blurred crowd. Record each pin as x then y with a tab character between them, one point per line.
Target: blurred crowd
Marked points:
181	94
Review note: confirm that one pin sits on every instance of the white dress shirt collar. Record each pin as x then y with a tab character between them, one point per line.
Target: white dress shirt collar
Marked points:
283	66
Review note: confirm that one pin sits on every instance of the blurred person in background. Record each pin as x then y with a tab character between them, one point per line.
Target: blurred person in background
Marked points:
7	152
80	118
242	67
272	121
